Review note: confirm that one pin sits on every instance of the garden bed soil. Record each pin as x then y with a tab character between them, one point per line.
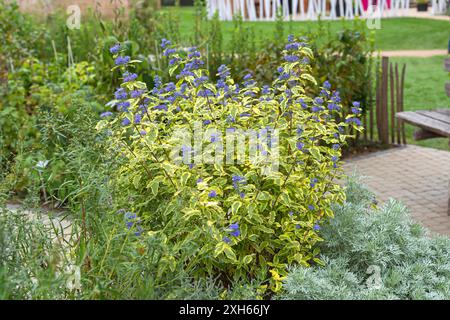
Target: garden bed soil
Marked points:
366	148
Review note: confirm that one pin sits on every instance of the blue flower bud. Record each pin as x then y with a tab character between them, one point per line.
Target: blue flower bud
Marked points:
122	60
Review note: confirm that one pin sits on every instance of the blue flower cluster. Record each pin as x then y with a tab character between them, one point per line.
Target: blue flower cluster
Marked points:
115	49
106	114
212	194
200	80
291	58
334	159
355	120
238	181
291	47
122	60
165	43
136	93
193	63
223	72
123	106
168	52
356	108
120	94
234	232
132	221
129	77
215	136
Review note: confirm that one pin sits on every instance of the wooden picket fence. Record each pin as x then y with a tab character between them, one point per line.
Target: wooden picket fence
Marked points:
254	10
438	7
380	122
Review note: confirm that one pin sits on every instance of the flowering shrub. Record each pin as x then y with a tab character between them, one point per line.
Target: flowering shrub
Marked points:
248	218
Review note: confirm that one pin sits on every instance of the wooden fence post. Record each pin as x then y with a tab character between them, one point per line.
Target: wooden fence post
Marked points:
378	102
402	92
397	106
384	123
391	76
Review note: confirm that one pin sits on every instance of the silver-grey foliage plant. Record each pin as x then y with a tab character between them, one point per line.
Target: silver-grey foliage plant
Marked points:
374	253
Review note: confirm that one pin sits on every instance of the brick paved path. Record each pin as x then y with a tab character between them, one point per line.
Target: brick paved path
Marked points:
415	175
413	53
412	12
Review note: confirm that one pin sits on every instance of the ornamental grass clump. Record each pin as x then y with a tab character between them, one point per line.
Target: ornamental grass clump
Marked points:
237	210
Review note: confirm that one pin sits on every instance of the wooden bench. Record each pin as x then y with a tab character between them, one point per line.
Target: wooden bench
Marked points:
447	68
431	123
447	89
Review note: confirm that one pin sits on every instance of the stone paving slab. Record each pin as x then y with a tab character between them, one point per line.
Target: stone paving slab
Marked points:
58	223
417	176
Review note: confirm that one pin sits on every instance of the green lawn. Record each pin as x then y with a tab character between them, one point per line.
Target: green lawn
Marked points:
424	89
395	34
